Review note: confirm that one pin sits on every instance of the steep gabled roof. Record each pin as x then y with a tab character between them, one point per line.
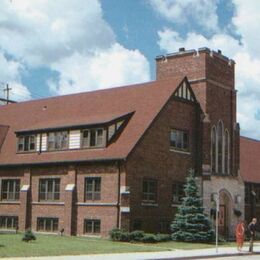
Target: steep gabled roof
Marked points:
250	159
144	100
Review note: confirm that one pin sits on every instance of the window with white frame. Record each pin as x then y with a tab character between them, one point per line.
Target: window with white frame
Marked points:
58	140
10	189
49	189
26	143
149	190
227	152
220	149
92	188
93	138
92	226
8	222
47	224
179	140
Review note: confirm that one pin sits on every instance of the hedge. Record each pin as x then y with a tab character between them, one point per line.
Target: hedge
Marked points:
137	236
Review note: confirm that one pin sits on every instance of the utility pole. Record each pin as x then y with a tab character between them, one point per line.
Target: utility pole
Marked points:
7	90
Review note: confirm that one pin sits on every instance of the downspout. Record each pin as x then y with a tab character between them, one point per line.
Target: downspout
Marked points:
118	196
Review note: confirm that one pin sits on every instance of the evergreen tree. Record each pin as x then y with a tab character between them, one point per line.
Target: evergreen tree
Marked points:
190	223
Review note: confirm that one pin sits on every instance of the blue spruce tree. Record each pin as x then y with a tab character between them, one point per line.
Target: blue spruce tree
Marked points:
190	223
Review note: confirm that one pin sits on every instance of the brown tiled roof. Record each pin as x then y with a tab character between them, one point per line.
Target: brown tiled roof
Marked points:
146	100
3	133
250	159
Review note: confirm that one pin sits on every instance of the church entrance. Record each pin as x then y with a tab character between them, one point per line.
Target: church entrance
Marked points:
224	214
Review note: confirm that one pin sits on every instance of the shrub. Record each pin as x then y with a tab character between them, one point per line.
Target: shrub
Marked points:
28	236
149	238
136	235
117	234
163	237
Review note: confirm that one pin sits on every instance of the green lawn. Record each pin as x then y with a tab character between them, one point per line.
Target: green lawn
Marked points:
11	245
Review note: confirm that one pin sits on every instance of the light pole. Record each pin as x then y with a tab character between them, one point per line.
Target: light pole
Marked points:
216	199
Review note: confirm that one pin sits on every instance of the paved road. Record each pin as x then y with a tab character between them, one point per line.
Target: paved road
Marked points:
252	257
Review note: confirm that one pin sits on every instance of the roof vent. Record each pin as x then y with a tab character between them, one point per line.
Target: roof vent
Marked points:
181	49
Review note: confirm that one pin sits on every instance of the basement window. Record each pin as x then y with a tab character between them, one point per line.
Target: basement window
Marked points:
47	224
8	222
92	226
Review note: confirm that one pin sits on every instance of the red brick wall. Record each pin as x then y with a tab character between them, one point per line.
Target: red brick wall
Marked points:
212	79
71	209
152	158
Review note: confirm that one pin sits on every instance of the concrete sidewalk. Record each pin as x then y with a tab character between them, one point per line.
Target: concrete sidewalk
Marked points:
174	254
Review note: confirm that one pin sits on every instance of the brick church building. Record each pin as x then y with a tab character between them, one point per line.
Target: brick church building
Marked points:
89	162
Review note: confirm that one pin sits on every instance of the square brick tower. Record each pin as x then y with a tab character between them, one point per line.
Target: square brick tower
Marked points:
211	76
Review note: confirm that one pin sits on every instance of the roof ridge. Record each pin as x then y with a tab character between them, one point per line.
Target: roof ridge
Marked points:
250	138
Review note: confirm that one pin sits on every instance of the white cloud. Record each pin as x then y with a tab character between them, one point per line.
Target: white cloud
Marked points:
115	66
200	12
19	92
246	21
10	74
41	32
71	38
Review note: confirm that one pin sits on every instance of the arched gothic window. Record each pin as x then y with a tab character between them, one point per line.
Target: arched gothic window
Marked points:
213	149
227	152
220	147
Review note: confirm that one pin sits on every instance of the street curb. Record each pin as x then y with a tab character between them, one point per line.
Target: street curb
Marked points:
209	256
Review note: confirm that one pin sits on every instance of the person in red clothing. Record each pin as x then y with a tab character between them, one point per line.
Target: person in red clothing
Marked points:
240	235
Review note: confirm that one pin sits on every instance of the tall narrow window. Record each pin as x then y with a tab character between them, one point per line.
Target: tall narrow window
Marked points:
149	190
92	188
227	152
10	189
220	161
213	149
177	192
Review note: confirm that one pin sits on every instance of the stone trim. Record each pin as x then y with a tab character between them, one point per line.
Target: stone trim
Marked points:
96	204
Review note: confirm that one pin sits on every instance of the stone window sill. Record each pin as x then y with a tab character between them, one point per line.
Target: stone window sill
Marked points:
175	205
179	151
47	203
95	204
149	204
10	202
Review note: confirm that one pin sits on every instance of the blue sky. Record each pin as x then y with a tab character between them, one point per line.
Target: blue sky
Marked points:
66	46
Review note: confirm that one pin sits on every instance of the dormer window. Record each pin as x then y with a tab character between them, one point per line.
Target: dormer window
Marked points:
58	140
26	143
111	131
93	138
